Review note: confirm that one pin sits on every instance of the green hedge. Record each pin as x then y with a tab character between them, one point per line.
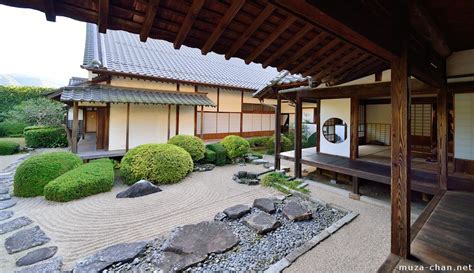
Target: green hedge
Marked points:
86	180
286	144
8	147
35	127
157	163
236	146
210	156
37	171
12	129
258	141
221	153
192	144
46	138
13	95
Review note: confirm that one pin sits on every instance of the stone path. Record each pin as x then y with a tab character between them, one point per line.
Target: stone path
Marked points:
23	237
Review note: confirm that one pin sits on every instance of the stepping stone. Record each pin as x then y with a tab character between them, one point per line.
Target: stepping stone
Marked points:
4	190
177	262
52	266
140	188
220	216
4	215
237	211
106	257
26	239
5	196
296	212
259	161
264	204
15	224
7	204
261	222
37	255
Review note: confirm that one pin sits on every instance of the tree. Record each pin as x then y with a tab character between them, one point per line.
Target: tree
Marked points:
38	111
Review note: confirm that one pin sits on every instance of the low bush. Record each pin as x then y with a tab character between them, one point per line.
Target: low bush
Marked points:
192	144
258	141
11	129
46	138
236	146
210	156
280	182
286	144
8	147
221	153
157	163
257	155
34	127
37	171
95	177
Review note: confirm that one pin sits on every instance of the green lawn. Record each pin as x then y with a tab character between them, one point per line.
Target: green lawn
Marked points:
19	140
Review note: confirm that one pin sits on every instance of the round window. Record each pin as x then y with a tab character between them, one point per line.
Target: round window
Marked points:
335	130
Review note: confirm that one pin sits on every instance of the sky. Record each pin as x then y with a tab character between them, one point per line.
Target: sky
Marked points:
30	45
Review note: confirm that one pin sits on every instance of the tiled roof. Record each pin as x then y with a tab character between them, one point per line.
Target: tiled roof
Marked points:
121	51
75	81
283	78
101	93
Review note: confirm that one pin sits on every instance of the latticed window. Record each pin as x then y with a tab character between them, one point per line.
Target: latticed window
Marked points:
361	128
421	119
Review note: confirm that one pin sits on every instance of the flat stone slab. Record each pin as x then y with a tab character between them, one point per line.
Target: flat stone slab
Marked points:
15	224
110	255
177	262
237	211
7	204
261	222
264	204
296	212
52	266
4	190
259	161
25	239
140	188
37	255
5	196
6	214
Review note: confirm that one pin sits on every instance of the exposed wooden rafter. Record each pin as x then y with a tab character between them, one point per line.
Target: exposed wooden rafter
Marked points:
103	15
222	25
250	30
320	53
334	67
307	47
188	23
49	10
350	67
151	10
270	39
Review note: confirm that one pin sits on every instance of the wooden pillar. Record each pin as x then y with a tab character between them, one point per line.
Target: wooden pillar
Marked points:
298	135
354	153
169	122
400	154
75	126
127	131
241	113
278	132
201	133
442	125
317	120
177	120
355	188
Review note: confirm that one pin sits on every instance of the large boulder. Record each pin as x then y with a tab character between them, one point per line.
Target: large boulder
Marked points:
237	211
294	211
141	188
261	222
37	255
264	204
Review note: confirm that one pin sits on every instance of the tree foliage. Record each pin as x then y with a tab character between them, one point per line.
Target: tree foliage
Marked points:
13	95
37	111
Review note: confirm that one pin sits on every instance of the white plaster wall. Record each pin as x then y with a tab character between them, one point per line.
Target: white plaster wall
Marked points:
460	63
211	94
464	126
386	77
172	120
117	126
229	100
249	99
336	108
210	123
234	122
91	104
137	83
379	113
70	114
222	122
148	124
186	120
286	108
186	88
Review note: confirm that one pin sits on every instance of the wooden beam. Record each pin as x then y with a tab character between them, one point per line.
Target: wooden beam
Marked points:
326	60
188	23
277	133
307	47
241	113
345	67
151	10
361	63
442	125
169	123
250	30
317	120
49	10
270	39
298	136
354	135
127	130
222	25
103	15
320	53
201	134
355	185
335	68
75	126
177	121
286	46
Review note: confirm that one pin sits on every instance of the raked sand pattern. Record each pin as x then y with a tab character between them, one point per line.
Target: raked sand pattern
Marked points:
82	227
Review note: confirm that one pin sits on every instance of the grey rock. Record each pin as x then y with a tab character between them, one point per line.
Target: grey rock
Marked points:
264	204
113	254
241	174
51	266
176	262
296	212
4	215
15	224
4	190
259	161
140	188
237	211
220	216
37	255
7	204
26	239
5	196
261	222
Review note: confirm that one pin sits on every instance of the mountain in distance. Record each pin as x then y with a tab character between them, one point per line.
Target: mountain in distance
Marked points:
17	79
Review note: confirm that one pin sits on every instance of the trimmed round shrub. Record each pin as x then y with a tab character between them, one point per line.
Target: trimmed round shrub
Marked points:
286	144
210	156
46	138
8	147
193	145
157	163
236	146
258	141
11	128
92	178
221	153
37	171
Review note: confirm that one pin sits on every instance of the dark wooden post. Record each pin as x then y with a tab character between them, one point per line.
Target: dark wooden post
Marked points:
75	126
298	135
354	153
442	124
127	131
400	152
278	132
355	188
169	122
317	120
201	134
